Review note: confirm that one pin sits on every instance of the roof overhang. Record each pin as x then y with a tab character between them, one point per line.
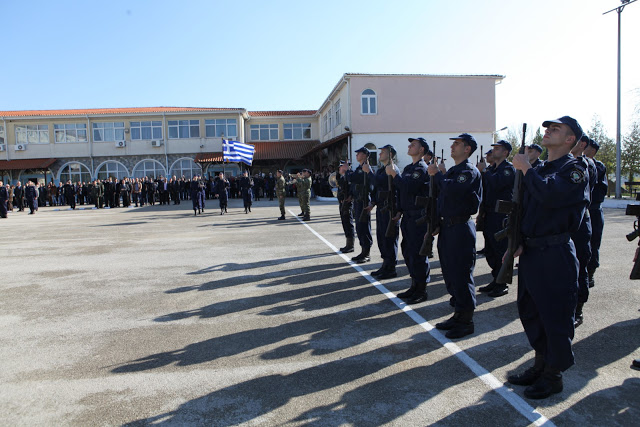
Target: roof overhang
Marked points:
24	164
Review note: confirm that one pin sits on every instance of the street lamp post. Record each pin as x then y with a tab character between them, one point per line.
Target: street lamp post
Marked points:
619	9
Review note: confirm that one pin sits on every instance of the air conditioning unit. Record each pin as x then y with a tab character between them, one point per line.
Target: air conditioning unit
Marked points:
3	147
21	147
156	143
121	144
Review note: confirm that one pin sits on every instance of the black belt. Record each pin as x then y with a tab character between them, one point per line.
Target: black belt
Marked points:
453	220
554	240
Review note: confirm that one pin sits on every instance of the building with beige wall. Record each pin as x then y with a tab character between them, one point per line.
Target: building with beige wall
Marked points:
362	109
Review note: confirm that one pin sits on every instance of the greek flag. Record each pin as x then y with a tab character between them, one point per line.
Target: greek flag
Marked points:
234	151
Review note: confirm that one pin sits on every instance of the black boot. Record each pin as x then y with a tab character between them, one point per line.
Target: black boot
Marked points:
281	217
550	382
379	271
462	327
363	257
348	247
488	288
388	273
499	291
531	375
449	323
579	318
419	294
592	281
409	292
195	213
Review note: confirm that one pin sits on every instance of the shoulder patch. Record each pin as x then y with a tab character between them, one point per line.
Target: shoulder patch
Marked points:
507	172
576	175
461	178
416	175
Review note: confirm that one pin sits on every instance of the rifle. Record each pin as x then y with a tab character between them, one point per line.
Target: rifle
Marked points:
513	209
432	214
442	159
364	193
480	219
392	230
633	209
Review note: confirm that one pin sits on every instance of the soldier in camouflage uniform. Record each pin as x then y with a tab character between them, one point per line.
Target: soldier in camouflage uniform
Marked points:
303	184
281	192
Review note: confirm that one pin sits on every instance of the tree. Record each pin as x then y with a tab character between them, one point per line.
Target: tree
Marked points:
607	152
630	157
514	137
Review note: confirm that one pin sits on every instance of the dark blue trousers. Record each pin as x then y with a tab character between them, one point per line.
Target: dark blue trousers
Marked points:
363	228
582	242
493	249
412	237
346	217
388	245
547	297
597	225
457	252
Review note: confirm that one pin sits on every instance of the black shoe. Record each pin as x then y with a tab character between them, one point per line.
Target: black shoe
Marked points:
460	329
346	249
306	218
195	213
387	274
527	377
378	271
488	288
409	292
281	218
449	323
481	251
579	317
417	298
301	214
548	384
499	291
590	279
635	364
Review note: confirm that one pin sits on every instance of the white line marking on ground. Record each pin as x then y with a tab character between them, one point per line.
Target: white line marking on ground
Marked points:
485	376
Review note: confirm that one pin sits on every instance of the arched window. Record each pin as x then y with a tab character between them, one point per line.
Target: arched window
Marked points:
369	102
373	153
150	168
112	168
185	167
74	172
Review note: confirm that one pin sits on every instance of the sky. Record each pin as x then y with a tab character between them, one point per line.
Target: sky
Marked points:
559	56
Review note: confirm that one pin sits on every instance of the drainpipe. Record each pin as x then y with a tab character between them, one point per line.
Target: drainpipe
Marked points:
349	120
166	141
89	135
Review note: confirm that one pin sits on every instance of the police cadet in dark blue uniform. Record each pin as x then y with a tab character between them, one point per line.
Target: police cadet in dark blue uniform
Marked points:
31	195
534	155
4	196
246	187
598	193
582	237
196	200
221	189
361	185
555	197
460	194
388	245
411	183
497	184
345	201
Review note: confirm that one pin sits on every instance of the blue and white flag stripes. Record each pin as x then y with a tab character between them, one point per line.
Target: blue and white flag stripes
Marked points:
234	151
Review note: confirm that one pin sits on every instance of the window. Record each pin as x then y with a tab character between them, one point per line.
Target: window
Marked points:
150	168
113	169
108	131
297	131
70	132
369	102
179	129
264	132
146	130
221	127
185	167
338	113
75	172
32	134
324	124
373	153
1	134
329	120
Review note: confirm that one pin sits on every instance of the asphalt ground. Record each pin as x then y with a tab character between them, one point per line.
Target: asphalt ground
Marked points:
156	316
